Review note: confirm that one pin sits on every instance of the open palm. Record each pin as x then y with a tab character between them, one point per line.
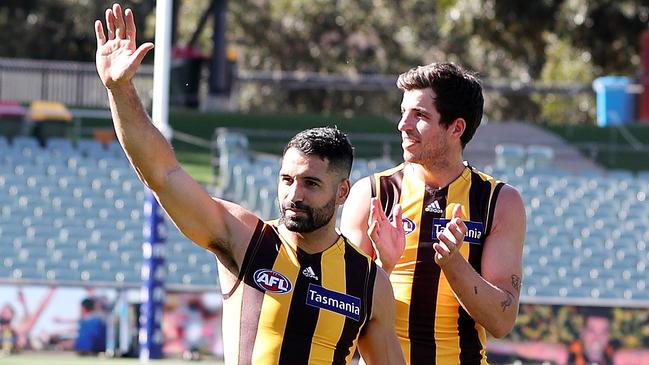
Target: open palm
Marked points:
388	236
117	55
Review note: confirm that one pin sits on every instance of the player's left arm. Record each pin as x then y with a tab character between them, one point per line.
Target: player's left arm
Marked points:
378	343
491	298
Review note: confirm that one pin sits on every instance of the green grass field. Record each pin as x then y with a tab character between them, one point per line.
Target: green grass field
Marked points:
68	358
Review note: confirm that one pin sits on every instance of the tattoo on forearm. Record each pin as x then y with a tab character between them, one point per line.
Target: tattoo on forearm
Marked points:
516	283
475	289
508	300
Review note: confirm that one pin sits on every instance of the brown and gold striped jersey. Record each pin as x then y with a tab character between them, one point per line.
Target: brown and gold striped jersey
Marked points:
432	326
291	307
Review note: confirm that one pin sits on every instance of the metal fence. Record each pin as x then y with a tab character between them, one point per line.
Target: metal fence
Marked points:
77	83
72	83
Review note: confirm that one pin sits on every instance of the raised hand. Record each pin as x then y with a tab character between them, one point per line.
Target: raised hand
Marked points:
450	240
117	56
388	237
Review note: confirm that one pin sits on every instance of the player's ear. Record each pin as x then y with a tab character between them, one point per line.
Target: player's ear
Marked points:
457	127
343	191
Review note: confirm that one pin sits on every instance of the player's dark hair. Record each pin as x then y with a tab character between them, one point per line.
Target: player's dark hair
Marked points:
327	143
458	93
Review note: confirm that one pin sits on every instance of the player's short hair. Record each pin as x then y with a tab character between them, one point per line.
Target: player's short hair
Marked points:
458	93
327	143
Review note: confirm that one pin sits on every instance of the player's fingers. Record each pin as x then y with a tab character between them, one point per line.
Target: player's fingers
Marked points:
457	211
130	25
120	27
110	23
372	216
452	230
99	32
441	249
380	214
141	51
397	217
448	239
461	226
372	232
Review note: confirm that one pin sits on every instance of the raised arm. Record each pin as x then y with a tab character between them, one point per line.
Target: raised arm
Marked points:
222	227
491	298
378	343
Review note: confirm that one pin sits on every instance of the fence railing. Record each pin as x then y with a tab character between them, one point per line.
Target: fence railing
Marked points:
77	83
72	83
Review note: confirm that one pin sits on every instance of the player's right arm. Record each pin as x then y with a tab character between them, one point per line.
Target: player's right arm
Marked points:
222	227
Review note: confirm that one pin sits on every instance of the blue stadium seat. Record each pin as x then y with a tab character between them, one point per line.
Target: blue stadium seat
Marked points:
509	156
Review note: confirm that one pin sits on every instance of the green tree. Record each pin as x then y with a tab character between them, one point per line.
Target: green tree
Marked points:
514	41
56	29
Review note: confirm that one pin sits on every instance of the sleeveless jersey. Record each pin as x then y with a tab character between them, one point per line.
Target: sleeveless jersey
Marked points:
291	307
432	326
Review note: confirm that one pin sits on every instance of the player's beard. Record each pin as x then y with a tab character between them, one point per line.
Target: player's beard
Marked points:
308	219
432	155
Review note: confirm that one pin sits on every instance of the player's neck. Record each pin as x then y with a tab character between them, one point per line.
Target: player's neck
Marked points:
438	175
311	242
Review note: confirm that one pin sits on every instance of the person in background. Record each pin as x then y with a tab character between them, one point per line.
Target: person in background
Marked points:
15	336
91	336
195	342
593	346
8	337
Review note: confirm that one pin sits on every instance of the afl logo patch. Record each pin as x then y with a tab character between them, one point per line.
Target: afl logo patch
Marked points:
408	225
272	281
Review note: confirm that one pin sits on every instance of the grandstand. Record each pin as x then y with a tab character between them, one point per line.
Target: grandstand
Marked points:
71	213
587	228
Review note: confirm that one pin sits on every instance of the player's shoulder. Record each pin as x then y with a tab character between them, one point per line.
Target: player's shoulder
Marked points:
391	171
364	186
504	188
349	245
382	286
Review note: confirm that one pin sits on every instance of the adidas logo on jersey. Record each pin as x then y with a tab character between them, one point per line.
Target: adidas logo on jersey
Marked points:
309	273
434	207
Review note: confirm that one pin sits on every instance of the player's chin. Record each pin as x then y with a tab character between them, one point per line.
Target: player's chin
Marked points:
409	156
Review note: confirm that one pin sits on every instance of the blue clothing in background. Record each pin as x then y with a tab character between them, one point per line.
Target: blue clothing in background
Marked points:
92	335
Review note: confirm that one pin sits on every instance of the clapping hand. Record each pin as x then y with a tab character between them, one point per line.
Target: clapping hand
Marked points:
388	237
450	240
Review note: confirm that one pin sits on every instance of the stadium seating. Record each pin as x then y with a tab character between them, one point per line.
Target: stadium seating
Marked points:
587	233
72	213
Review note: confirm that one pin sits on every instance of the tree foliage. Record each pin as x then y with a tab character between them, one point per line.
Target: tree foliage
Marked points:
56	29
520	41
